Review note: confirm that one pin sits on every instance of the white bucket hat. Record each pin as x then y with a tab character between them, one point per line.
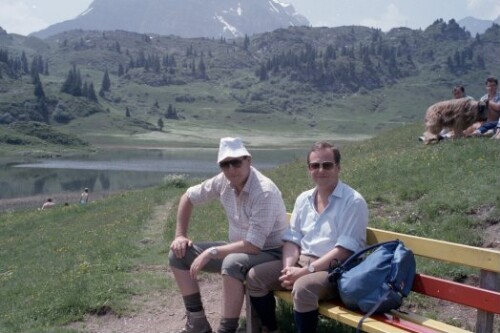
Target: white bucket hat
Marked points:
231	147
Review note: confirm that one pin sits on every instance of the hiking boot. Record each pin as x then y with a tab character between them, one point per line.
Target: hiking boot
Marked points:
196	322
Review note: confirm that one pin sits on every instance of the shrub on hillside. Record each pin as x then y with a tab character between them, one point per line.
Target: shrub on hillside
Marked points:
255	108
47	133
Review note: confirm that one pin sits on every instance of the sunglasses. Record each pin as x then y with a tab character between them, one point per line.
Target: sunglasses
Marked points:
236	163
324	165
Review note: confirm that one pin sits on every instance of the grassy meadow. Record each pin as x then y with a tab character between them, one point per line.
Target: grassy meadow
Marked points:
60	264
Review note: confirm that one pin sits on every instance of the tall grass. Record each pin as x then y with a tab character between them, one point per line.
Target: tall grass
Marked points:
60	264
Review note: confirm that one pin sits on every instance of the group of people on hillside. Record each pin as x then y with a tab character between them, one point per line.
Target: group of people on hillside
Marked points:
490	127
264	252
84	199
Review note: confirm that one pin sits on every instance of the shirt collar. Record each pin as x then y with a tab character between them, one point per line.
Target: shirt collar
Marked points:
337	192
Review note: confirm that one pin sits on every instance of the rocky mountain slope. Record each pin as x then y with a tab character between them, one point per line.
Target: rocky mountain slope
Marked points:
185	18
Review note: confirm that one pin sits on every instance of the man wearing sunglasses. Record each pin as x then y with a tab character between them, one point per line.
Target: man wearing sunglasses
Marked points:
257	219
328	224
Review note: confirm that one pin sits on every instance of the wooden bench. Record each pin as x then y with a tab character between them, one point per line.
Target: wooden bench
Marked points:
485	298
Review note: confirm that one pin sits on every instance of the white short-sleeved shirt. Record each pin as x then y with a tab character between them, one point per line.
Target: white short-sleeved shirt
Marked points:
342	223
257	215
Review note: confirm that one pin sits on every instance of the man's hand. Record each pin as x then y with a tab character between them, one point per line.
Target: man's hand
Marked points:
179	245
199	263
289	275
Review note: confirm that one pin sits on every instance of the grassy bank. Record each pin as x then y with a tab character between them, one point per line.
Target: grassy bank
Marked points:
60	264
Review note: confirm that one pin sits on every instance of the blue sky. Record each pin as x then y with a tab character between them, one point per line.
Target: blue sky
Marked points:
26	16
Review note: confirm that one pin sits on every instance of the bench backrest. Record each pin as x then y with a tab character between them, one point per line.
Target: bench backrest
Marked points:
476	257
466	255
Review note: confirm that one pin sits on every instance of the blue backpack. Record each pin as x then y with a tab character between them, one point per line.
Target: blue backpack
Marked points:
378	283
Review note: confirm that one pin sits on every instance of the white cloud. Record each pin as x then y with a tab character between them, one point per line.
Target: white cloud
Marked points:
392	17
18	17
474	4
489	9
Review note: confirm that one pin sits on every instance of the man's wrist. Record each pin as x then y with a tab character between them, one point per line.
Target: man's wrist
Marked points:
213	251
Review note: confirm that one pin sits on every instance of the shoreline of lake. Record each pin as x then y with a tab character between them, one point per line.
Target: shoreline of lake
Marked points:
116	170
36	201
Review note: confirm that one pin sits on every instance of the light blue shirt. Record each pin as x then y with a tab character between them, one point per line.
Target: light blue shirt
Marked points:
342	223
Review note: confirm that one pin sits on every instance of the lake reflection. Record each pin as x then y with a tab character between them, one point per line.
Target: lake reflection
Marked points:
121	170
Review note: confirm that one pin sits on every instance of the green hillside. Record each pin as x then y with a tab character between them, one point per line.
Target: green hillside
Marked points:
113	86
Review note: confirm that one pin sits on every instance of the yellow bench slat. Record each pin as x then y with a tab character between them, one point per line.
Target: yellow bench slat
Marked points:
348	317
436	249
431	323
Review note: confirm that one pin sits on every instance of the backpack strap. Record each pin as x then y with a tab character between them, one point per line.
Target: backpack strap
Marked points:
372	310
335	271
358	254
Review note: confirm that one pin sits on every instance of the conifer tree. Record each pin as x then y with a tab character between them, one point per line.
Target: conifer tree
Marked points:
202	68
39	93
160	124
91	93
85	89
24	63
246	42
171	112
73	83
43	110
106	82
121	70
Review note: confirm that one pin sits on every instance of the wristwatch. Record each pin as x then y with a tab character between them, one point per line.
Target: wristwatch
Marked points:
311	268
213	251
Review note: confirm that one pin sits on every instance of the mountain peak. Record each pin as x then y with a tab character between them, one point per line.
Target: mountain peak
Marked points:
475	25
184	18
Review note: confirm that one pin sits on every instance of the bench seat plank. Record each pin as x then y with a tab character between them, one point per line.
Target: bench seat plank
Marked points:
395	322
459	293
351	318
383	323
438	326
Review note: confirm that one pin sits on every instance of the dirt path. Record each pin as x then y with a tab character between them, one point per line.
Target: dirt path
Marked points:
161	311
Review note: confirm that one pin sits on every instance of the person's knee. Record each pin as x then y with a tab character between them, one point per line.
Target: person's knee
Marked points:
174	261
253	283
301	293
304	299
234	266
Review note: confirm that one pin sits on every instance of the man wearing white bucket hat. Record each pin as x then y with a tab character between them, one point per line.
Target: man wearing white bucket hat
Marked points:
257	219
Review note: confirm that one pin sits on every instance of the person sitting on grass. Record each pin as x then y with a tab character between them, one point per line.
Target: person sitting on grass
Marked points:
493	99
48	204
